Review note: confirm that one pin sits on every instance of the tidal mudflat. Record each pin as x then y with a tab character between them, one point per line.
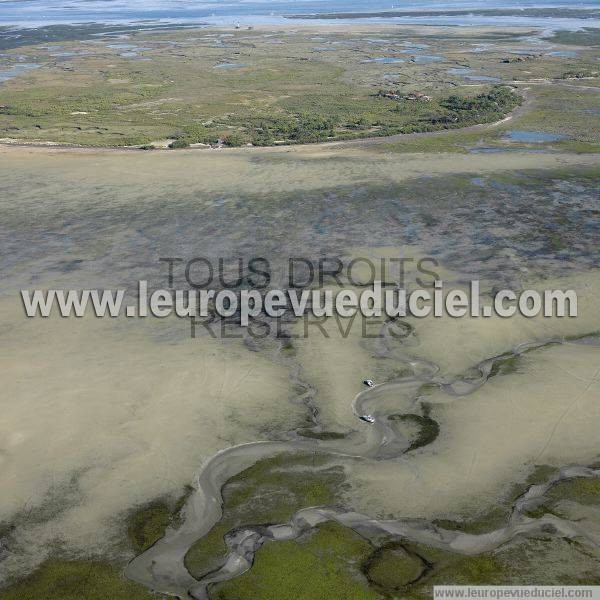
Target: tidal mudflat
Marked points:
125	413
144	458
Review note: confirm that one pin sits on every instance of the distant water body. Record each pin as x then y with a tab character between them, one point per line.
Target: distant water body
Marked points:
34	13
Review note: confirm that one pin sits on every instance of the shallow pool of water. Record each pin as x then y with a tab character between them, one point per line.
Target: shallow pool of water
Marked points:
499	150
427	58
535	137
563	53
229	66
481	48
459	70
122	46
17	70
64	54
482	78
384	60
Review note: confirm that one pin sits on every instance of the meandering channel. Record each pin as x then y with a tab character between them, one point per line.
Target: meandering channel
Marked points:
162	566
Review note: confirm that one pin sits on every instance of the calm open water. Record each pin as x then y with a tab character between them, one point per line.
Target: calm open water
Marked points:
33	13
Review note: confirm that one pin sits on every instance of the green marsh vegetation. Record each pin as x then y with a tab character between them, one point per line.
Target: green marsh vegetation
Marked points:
147	524
314	91
269	492
564	110
588	36
76	580
282	96
330	561
236	88
337	563
324	565
427	429
583	490
66	579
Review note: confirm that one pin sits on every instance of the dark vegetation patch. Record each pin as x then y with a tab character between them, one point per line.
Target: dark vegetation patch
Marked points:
321	435
148	524
428	429
332	118
588	36
505	365
497	515
582	490
76	580
550	12
269	492
392	567
12	37
324	564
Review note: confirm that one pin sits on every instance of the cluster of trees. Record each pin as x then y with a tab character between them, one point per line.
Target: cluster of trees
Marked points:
303	128
581	74
454	111
499	99
263	132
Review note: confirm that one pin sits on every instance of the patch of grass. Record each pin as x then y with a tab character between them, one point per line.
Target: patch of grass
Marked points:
497	515
234	140
555	241
506	365
321	435
580	74
554	108
584	490
178	144
562	110
451	142
542	561
391	567
587	36
447	568
538	512
430	566
148	524
326	565
76	580
471	570
99	97
428	429
269	492
17	37
578	147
